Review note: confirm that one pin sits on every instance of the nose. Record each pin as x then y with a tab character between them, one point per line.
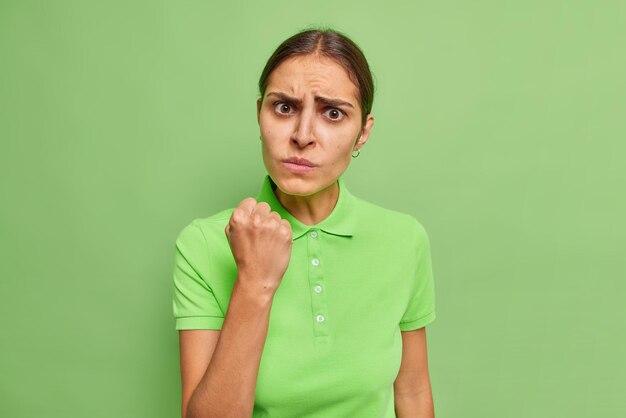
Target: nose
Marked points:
303	133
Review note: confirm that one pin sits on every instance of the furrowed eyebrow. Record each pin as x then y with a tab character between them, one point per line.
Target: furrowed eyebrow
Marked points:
325	100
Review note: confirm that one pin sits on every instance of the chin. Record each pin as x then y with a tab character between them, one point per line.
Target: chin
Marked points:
295	185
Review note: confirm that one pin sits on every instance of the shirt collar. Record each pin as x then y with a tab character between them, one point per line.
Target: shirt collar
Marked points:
341	220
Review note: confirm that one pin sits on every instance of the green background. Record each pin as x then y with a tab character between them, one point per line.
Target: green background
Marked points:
500	125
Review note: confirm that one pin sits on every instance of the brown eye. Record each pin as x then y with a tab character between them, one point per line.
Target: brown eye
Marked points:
335	114
282	108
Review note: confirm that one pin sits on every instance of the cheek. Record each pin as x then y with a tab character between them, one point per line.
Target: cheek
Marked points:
273	130
346	129
341	154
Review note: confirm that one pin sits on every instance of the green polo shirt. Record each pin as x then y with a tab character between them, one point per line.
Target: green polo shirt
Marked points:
355	281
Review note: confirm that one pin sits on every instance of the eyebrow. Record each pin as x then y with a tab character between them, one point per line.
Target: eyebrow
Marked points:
325	100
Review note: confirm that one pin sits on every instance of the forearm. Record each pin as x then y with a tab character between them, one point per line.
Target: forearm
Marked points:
417	405
228	386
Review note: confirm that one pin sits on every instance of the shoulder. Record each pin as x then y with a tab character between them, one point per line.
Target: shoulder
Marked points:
206	228
382	218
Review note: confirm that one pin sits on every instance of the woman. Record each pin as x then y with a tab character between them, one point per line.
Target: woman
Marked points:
348	283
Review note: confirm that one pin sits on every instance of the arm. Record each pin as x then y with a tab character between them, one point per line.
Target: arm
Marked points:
412	391
196	348
221	382
227	387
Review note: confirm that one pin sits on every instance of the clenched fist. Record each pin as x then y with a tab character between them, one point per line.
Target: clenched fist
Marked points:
261	242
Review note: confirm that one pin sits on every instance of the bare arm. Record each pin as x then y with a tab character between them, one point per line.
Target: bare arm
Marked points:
412	391
196	349
228	385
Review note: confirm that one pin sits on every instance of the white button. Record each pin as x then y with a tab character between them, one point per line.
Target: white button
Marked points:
314	234
315	262
318	288
320	318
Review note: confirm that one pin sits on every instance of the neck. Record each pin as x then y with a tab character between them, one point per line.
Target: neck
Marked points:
312	209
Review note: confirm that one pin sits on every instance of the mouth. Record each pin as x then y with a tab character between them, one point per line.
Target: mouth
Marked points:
298	165
299	161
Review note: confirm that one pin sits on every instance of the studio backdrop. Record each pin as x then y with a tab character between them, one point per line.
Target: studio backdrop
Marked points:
499	125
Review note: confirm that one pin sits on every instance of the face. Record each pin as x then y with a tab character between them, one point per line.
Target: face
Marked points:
310	110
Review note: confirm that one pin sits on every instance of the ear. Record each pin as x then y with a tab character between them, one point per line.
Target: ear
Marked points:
365	132
258	111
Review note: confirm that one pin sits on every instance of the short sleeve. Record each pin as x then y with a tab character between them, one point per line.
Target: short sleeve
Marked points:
193	302
421	307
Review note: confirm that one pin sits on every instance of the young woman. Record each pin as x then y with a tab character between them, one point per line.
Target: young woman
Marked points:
306	301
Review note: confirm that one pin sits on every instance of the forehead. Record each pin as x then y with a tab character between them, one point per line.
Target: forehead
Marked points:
313	74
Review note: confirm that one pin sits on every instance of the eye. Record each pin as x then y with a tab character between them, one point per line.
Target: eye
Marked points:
335	114
282	108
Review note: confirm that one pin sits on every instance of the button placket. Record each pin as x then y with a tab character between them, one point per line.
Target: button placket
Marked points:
319	306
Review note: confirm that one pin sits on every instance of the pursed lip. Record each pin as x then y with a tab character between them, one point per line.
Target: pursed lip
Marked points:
300	161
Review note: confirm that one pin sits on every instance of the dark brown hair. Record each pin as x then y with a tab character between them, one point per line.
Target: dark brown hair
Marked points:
332	44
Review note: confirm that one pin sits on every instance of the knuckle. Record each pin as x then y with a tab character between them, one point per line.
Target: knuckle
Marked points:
246	204
285	227
236	217
263	205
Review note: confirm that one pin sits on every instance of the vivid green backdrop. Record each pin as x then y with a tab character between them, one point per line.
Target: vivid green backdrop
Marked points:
499	125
